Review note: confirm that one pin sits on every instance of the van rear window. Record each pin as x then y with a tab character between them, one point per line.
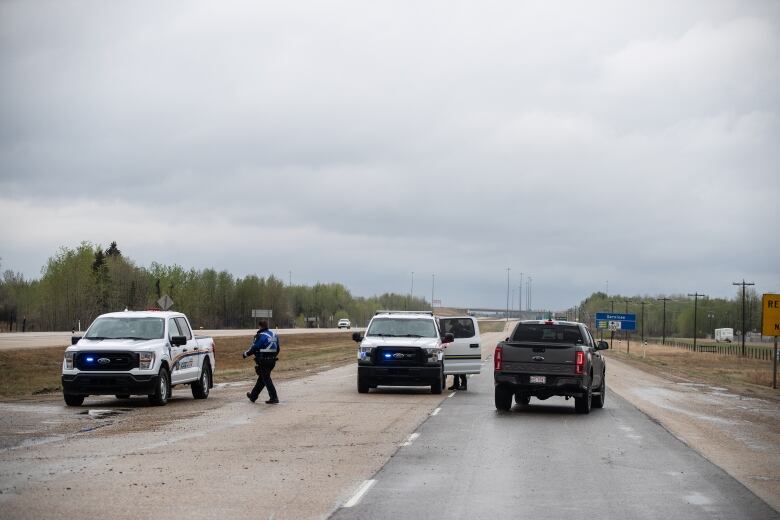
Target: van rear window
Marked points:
544	333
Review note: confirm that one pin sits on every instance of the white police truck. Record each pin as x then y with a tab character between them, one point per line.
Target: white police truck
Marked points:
401	348
138	353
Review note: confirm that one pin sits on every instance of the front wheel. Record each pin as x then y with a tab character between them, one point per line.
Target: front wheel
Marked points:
74	400
200	388
362	385
437	385
163	390
503	398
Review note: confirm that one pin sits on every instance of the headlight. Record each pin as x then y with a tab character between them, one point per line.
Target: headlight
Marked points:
146	360
433	353
364	352
69	360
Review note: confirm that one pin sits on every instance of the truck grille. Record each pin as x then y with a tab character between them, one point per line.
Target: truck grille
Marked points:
106	361
399	356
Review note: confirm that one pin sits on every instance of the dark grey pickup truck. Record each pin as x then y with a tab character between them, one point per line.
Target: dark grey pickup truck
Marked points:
546	358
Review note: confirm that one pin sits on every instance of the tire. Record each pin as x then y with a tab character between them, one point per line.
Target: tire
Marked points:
74	400
437	385
163	391
582	404
362	385
598	402
122	396
503	398
200	388
522	400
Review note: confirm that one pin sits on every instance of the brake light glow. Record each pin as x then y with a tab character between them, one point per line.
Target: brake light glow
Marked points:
579	363
498	358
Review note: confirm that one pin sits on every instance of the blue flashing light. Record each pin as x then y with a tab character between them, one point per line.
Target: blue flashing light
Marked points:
388	355
90	359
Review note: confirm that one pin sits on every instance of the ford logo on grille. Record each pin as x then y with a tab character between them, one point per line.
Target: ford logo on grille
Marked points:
104	361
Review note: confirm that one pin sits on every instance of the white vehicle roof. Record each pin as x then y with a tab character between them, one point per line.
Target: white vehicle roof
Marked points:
142	314
404	314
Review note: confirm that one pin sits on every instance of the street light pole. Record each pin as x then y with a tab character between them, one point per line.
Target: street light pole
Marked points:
507	292
433	284
643	303
520	294
695	303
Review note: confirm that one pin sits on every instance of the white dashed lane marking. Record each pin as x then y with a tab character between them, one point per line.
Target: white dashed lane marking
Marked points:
362	490
436	411
412	437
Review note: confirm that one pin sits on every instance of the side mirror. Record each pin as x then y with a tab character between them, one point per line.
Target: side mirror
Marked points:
74	339
357	337
448	338
179	340
602	345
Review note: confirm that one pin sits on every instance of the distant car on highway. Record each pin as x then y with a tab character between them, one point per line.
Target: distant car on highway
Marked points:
543	358
401	348
344	323
138	353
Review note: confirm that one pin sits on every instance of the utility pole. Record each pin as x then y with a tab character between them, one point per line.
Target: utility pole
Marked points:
695	303
612	332
663	340
643	303
507	292
743	283
530	292
628	340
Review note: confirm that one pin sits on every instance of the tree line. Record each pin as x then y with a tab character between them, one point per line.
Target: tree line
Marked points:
711	313
78	284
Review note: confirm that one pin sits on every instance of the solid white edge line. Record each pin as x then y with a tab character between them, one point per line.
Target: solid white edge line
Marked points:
436	411
453	393
362	490
412	437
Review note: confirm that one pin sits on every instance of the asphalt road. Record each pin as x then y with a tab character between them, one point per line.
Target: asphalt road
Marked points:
545	461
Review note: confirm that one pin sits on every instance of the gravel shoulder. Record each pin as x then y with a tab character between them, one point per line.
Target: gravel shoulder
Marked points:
741	434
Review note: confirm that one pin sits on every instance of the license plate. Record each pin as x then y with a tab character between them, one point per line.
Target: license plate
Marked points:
538	379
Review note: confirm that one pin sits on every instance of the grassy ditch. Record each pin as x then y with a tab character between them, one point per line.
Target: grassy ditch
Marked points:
37	371
491	325
747	375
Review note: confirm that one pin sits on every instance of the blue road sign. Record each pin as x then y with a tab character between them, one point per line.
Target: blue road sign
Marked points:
615	321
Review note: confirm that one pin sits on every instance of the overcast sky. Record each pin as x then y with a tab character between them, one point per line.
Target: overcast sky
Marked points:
360	142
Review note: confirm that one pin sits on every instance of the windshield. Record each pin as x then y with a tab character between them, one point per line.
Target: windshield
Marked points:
126	328
395	327
544	333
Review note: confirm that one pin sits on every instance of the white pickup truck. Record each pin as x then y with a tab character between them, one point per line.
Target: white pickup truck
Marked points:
138	353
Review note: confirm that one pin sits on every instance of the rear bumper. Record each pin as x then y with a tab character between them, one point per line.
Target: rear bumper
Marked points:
109	384
400	376
574	386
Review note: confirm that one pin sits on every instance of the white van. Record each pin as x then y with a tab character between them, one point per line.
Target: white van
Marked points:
464	355
726	335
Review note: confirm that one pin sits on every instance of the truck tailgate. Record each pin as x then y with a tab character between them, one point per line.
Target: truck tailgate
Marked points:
538	358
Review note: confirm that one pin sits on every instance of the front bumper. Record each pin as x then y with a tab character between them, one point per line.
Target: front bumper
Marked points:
109	384
400	376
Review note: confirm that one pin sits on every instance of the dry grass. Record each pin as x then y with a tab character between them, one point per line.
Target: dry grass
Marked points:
703	367
37	371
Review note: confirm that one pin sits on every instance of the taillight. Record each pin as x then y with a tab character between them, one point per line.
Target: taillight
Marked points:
579	363
498	358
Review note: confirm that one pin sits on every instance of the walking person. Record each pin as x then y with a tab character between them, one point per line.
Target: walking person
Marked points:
265	349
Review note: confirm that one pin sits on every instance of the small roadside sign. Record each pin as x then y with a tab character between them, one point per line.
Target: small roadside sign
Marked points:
262	313
165	302
770	315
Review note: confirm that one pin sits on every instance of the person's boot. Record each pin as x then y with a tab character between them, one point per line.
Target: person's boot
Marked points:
249	396
272	401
